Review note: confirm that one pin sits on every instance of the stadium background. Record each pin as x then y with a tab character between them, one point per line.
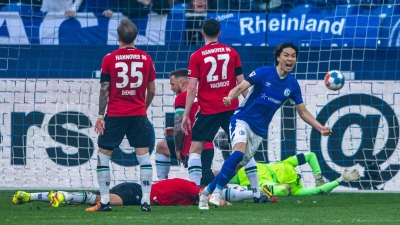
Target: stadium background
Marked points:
49	68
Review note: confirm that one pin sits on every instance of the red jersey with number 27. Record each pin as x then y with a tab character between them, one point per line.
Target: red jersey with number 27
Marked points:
130	70
174	191
214	65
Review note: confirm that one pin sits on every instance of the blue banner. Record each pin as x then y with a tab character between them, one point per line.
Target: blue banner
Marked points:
243	29
301	29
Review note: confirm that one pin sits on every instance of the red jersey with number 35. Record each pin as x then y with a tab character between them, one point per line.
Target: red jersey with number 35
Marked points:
174	191
215	65
130	71
180	102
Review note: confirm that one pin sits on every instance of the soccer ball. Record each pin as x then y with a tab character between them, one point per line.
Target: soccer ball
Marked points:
334	80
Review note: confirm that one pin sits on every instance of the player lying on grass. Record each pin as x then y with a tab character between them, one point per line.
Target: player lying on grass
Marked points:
169	192
283	180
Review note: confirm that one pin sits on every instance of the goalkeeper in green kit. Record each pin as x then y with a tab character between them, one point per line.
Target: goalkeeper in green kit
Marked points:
282	179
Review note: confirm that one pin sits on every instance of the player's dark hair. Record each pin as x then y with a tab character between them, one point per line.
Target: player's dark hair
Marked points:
280	47
181	72
211	27
127	31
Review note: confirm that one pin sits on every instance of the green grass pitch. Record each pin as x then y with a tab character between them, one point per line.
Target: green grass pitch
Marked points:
336	208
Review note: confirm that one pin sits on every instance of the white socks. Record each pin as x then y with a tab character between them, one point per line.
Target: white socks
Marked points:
163	164
252	174
103	177
39	196
195	168
146	176
236	195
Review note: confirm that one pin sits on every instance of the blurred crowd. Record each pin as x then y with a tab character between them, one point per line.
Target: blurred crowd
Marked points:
136	8
139	8
195	10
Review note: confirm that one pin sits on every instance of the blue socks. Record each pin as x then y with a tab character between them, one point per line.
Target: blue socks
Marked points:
226	173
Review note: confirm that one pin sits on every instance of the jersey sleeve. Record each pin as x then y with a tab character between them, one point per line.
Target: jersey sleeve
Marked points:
180	102
105	69
238	65
193	67
296	94
256	76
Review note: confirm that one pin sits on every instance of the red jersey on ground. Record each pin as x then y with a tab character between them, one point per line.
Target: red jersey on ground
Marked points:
214	65
174	191
130	70
180	102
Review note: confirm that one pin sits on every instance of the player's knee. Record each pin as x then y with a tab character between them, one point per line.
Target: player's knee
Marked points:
196	147
240	146
162	148
105	152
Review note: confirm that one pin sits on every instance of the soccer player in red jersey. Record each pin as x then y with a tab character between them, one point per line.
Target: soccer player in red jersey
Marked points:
215	69
127	89
179	82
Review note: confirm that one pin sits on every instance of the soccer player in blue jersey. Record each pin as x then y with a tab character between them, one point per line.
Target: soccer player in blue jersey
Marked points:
272	87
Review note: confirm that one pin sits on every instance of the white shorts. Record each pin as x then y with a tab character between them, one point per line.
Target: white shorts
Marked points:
241	133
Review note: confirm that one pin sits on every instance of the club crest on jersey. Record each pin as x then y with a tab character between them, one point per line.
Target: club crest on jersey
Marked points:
252	74
286	92
189	72
268	84
241	132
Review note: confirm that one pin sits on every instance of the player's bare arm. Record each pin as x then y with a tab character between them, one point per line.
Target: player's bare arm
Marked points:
103	99
151	91
239	80
310	119
178	135
191	95
235	92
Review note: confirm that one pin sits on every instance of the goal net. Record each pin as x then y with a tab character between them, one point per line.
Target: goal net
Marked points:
49	89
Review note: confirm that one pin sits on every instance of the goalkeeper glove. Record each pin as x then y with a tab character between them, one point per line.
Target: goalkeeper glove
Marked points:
349	176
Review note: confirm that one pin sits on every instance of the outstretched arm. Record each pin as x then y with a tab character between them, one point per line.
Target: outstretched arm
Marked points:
346	177
328	187
309	119
312	160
